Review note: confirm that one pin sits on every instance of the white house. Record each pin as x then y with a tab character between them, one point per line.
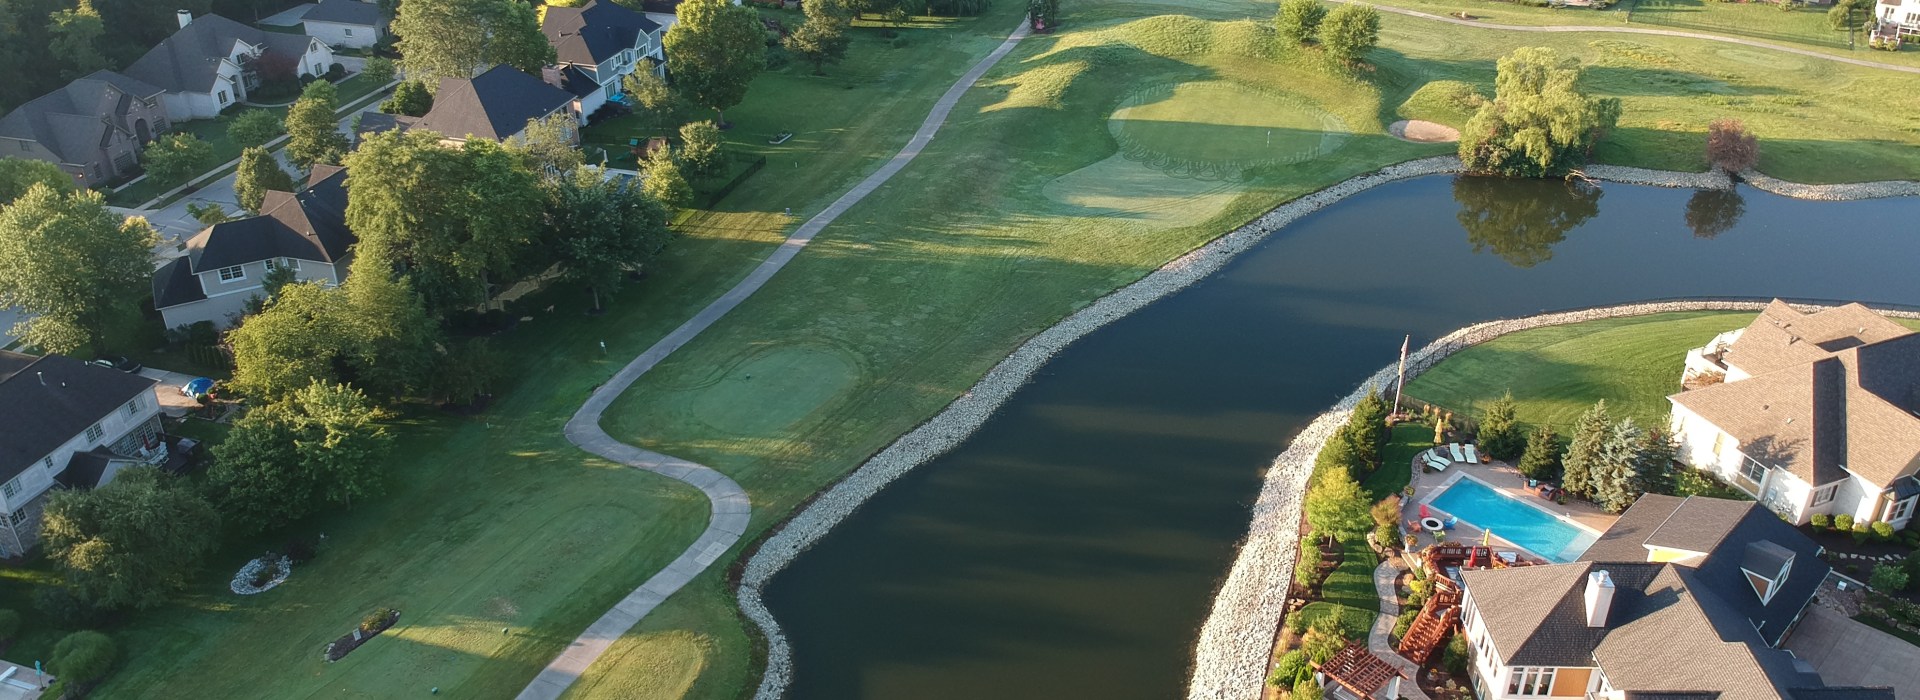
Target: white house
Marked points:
1811	413
70	423
1898	18
213	62
598	44
348	23
226	263
1680	598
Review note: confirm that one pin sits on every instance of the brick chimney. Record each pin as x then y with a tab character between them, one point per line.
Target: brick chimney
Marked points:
184	16
551	75
1599	598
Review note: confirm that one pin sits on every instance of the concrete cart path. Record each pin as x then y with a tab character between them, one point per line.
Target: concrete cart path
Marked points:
1557	28
731	510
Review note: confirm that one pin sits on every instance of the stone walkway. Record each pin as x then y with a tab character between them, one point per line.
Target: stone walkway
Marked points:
1561	28
1381	639
731	509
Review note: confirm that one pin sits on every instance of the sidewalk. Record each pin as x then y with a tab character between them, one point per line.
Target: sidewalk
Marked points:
1380	640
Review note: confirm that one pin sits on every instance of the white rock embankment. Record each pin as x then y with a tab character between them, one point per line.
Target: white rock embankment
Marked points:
1231	655
1833	193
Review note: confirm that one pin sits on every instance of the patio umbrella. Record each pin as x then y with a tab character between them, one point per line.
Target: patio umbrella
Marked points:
198	387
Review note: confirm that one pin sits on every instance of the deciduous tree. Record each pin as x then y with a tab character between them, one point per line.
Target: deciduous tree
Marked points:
1350	31
80	660
1299	20
255	127
410	98
547	147
176	158
17	175
600	229
661	179
1731	146
131	543
822	39
454	38
320	445
313	134
1538	123
656	102
699	155
258	173
372	332
1338	508
72	266
716	49
379	70
75	40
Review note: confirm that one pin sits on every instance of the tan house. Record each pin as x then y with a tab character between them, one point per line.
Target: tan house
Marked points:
1681	598
93	128
1812	413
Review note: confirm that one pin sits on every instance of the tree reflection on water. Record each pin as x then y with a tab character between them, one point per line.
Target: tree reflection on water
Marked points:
1713	212
1521	220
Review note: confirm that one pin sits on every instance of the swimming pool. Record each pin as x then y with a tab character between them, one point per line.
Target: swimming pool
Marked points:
1536	530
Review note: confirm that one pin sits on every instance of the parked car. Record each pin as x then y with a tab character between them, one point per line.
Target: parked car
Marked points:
116	362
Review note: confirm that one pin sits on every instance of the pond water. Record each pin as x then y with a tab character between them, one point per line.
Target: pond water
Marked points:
1070	549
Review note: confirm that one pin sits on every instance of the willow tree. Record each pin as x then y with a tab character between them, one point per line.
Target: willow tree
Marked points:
1538	122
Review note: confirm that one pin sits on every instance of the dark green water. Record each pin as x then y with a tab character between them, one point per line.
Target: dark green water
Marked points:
1071	547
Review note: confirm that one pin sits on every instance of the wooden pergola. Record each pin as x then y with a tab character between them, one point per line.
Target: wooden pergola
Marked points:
1356	669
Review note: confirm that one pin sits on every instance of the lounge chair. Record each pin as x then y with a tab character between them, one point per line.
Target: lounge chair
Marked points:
1451	521
1473	456
1454	448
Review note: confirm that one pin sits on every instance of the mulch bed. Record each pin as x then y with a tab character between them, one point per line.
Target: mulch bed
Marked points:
347	643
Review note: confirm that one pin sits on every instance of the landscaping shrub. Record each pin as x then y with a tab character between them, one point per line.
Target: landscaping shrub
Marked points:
1306	569
1404	623
1386	521
377	620
1299	20
1731	146
1887	578
9	623
1297	623
1843	522
1821	522
1861	533
1291	668
1883	531
1454	659
80	660
1306	689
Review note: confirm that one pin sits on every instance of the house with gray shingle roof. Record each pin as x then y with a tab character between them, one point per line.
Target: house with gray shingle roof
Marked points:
1811	413
597	45
349	23
69	423
495	105
213	63
1682	599
227	263
93	128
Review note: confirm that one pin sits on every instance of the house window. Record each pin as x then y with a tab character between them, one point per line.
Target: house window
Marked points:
1901	510
1754	471
1529	680
48	461
94	432
17	517
12	487
348	30
288	263
133	407
223	97
233	274
1824	494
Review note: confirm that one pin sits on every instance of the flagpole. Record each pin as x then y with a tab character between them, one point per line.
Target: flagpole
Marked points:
1402	382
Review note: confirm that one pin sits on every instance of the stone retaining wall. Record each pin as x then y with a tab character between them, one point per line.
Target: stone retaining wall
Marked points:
1232	652
1230	659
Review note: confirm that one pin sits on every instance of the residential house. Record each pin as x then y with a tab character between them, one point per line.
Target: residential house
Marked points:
226	263
71	423
1681	598
346	23
1812	413
213	62
495	105
1898	17
93	128
598	44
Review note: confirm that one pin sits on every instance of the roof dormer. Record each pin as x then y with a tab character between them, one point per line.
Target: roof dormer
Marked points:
1766	566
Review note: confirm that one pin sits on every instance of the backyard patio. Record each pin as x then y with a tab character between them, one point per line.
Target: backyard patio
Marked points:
1428	484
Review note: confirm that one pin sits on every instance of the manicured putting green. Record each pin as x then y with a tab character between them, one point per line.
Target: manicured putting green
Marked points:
1219	129
1125	190
773	389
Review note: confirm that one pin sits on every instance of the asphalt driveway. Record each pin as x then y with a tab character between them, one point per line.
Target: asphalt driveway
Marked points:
1846	652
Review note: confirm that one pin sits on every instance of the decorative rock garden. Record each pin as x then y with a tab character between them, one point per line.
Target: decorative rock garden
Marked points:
262	574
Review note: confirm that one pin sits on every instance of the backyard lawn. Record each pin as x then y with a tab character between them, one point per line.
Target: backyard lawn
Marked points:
1349	592
1032	201
1558	372
1396	459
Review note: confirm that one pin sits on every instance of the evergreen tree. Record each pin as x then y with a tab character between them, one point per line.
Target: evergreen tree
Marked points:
1616	478
1656	456
1542	458
1584	454
1366	430
1500	434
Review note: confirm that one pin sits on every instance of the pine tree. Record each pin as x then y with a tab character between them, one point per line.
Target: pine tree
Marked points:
1657	453
1500	434
1542	458
1584	454
1366	429
1616	479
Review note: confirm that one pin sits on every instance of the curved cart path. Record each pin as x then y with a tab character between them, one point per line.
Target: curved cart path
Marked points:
731	509
1634	30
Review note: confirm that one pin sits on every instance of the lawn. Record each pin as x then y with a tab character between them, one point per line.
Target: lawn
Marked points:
214	132
1349	592
1030	202
1396	460
1558	372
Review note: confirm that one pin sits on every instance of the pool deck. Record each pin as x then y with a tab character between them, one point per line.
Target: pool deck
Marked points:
1503	478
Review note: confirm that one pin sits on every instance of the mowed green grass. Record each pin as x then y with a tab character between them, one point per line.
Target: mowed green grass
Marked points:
1558	372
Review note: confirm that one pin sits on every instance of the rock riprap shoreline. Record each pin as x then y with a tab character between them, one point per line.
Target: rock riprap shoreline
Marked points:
1231	655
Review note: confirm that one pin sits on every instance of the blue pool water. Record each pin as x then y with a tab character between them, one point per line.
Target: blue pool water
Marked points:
1509	519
